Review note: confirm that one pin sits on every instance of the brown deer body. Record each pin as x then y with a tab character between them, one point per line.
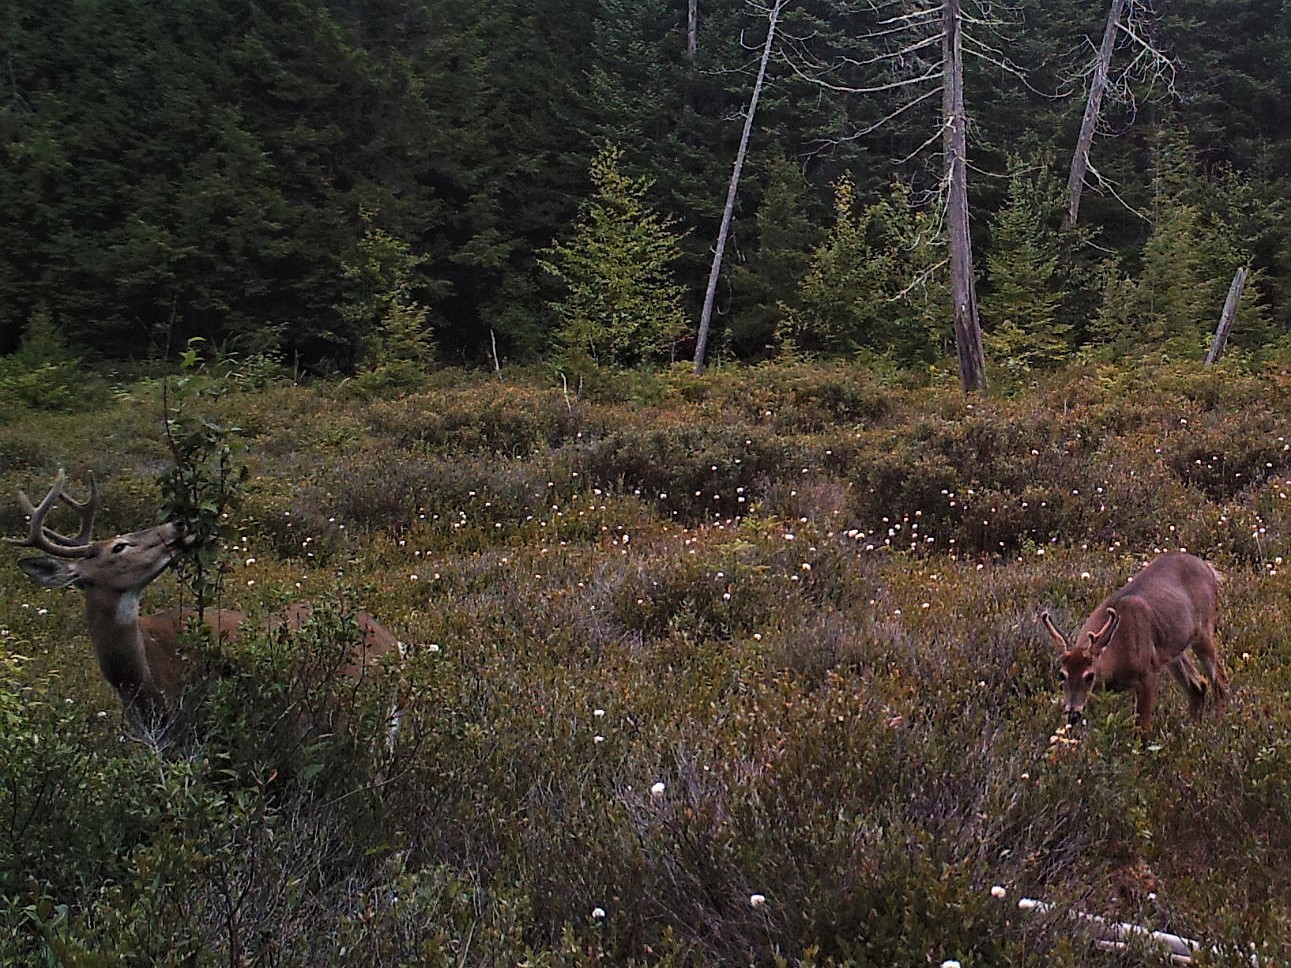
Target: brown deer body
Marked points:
142	656
1143	629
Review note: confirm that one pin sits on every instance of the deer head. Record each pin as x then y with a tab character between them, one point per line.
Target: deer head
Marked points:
1078	672
112	574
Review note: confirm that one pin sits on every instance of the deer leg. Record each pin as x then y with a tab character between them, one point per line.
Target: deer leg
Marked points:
1190	680
1145	695
1204	647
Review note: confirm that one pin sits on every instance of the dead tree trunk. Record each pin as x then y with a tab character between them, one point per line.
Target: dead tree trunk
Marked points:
1227	317
710	294
692	30
968	329
1093	108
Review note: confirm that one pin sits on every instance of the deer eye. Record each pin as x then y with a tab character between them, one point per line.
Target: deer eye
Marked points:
1062	675
119	547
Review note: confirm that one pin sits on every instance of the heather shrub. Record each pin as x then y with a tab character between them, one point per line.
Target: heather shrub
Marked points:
742	669
693	471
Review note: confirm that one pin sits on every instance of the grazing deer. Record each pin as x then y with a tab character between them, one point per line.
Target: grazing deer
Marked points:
143	656
1140	630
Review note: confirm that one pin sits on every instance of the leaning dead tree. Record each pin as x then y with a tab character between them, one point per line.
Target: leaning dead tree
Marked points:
1228	316
910	52
1145	66
723	233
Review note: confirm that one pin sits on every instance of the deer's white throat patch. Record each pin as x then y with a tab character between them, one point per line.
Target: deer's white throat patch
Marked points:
127	610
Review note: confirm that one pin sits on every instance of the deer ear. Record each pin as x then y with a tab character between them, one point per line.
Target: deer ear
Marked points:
48	572
1053	631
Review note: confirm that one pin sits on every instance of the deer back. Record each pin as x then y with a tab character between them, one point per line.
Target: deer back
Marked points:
1158	612
375	642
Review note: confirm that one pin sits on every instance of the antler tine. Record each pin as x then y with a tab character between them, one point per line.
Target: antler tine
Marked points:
50	541
87	508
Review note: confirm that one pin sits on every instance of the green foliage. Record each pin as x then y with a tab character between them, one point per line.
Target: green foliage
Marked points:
650	632
1021	307
205	486
621	306
195	168
876	283
381	308
1205	228
767	281
41	375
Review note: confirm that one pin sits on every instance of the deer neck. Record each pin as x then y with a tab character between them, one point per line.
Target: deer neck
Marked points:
119	645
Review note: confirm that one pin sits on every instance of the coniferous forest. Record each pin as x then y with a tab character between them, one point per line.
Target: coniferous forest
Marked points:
274	177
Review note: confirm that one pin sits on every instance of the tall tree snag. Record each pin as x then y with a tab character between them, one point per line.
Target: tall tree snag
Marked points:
968	329
896	57
1129	23
692	30
1093	108
728	213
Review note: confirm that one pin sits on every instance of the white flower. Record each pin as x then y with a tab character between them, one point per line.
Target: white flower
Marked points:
757	900
598	913
598	713
950	963
997	891
657	790
598	739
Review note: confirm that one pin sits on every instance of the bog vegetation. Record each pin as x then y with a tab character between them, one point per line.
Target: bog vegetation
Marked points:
738	670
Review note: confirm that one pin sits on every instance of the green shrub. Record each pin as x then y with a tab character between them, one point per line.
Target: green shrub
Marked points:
633	708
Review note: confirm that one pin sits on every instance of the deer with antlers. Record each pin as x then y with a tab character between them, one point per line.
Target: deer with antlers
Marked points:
1143	629
143	657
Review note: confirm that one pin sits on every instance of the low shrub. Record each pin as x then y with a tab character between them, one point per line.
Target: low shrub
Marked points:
740	669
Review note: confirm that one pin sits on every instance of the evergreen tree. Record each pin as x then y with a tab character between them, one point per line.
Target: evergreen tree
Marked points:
765	284
877	282
381	308
1021	307
621	306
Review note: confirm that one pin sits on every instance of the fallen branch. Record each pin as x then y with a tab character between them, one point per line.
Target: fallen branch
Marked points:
1118	935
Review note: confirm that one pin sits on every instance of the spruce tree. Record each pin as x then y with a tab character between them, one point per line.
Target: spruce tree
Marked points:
621	306
1022	326
765	284
876	283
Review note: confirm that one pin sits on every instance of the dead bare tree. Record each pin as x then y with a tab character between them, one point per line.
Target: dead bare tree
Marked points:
728	213
692	30
963	289
1228	316
1128	28
915	49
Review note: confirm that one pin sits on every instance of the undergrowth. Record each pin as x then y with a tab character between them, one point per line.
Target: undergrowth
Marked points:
744	669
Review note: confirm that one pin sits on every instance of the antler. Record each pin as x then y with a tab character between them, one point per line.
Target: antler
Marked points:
1097	640
51	542
1053	631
